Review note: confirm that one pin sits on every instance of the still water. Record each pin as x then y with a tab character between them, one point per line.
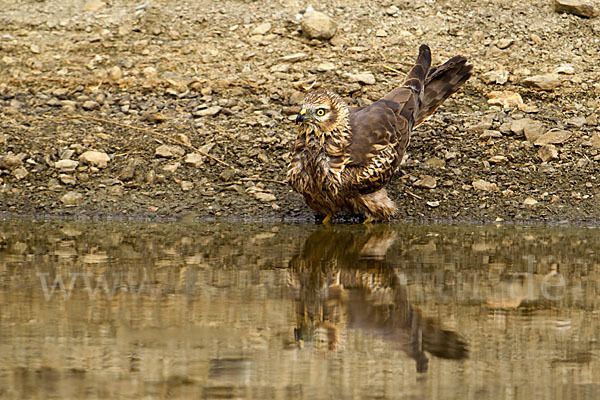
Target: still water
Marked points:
197	310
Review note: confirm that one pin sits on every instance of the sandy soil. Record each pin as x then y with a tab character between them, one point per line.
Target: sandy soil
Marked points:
124	78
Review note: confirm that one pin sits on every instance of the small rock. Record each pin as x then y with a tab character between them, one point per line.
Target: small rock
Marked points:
228	174
169	151
171	167
66	165
498	159
67	179
294	57
578	122
381	33
186	185
544	82
548	152
433	203
506	99
154	118
595	140
266	197
150	72
98	159
90	105
183	138
194	159
93	5
392	10
71	198
316	25
566	69
504	43
489	134
261	29
326	66
365	78
20	173
498	76
10	161
35	49
554	136
435	162
208	112
115	73
581	8
530	201
480	184
426	181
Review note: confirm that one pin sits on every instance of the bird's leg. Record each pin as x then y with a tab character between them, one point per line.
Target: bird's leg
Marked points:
369	218
326	220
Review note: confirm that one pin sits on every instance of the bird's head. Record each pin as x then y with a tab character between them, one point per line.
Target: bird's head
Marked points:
323	111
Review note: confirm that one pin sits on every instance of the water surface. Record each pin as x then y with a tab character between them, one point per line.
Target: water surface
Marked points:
189	310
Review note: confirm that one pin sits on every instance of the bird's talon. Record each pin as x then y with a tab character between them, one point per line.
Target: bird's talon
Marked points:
326	220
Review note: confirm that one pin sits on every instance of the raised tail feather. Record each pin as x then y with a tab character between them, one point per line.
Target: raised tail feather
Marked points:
426	88
441	83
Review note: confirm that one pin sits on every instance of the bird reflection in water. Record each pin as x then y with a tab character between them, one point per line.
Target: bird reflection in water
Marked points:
341	279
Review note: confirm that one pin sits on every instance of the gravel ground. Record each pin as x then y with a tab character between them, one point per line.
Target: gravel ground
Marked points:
168	109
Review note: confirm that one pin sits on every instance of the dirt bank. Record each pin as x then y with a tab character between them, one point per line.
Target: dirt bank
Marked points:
79	83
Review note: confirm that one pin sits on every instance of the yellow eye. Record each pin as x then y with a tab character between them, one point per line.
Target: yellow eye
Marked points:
320	112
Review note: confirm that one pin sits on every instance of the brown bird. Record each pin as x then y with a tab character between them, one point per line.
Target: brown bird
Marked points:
344	156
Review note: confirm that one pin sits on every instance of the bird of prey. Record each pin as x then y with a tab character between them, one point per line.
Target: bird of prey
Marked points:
343	157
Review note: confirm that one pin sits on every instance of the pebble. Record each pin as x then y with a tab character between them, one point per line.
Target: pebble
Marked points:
93	5
228	174
365	78
498	159
554	136
67	179
530	201
261	29
66	165
392	10
171	167
481	184
35	49
150	72
582	8
595	140
566	69
577	122
506	99
504	43
10	161
90	105
115	73
381	33
71	198
433	203
498	76
98	159
169	151
544	82
20	173
326	66
266	197
207	112
186	185
194	159
316	25
426	181
548	152
294	57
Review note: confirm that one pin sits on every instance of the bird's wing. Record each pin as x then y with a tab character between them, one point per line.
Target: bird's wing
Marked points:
381	131
379	137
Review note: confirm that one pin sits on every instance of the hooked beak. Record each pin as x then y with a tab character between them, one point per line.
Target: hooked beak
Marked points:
300	116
